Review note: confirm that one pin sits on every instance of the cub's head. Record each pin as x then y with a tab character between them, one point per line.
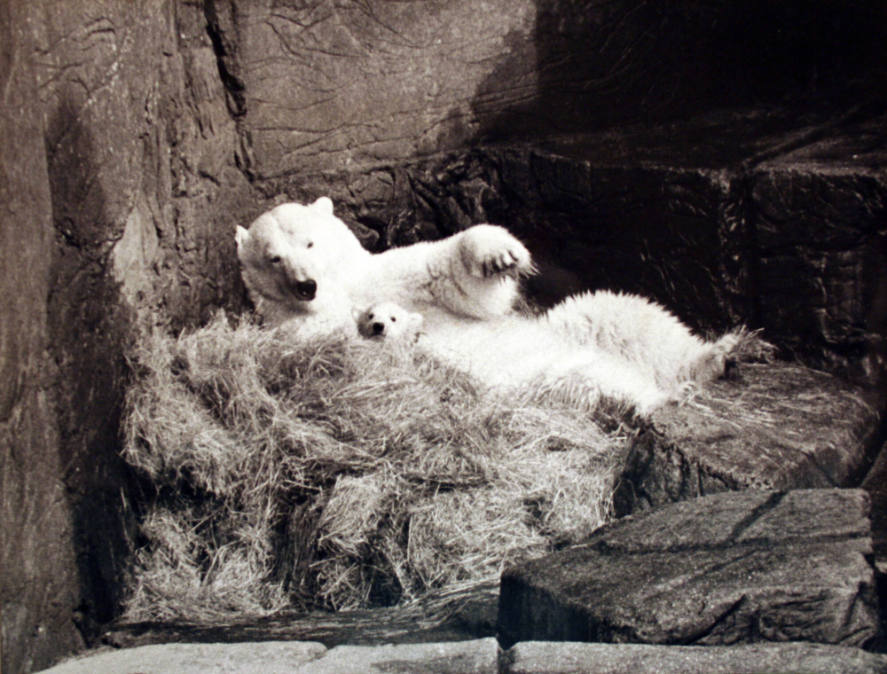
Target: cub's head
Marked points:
294	255
387	320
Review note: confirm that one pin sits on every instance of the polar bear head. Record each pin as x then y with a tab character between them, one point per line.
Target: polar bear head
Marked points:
387	320
293	257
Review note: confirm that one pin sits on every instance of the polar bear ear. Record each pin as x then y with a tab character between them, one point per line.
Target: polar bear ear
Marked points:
324	205
416	321
241	236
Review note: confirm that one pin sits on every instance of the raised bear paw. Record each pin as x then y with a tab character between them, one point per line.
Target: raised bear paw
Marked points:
490	250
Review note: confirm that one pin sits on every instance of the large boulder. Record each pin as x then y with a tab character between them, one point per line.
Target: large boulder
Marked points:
733	568
771	426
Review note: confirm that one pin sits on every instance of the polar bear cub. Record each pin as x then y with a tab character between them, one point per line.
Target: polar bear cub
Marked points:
389	321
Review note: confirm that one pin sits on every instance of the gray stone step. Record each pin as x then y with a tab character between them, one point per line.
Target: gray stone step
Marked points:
556	658
482	656
736	567
770	426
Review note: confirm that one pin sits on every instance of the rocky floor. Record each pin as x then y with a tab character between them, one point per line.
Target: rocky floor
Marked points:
483	655
742	581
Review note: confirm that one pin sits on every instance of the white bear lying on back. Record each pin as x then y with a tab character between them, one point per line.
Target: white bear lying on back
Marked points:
298	260
301	263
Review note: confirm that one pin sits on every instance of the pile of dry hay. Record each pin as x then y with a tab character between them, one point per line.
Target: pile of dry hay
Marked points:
341	474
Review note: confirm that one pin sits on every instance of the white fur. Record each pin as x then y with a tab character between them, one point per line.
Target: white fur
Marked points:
465	288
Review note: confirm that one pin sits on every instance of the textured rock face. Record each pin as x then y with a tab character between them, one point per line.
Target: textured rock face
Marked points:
321	85
726	569
328	84
553	658
772	426
123	182
257	657
38	582
822	287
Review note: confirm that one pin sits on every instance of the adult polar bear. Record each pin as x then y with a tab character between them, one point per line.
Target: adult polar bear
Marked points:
302	263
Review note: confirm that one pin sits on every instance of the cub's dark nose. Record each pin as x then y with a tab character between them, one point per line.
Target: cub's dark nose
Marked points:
306	290
378	328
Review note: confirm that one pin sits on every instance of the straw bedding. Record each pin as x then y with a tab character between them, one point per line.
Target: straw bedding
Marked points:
335	473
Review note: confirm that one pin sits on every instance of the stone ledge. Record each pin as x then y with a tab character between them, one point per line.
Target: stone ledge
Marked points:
532	657
256	657
732	568
772	426
456	657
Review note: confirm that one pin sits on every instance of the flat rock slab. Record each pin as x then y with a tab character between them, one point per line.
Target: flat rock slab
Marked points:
771	426
736	567
456	657
459	614
554	658
261	657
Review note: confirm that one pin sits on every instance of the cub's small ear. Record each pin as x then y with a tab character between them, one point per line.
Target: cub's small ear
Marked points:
356	314
416	321
241	236
324	205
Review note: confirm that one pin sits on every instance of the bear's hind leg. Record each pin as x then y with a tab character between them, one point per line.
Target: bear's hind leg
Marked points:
712	362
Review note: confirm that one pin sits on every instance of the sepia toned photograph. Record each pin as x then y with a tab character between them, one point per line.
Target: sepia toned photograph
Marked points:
496	336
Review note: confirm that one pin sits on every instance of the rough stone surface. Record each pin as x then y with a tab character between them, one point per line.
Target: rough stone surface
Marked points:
322	84
770	426
560	658
822	287
38	573
454	657
731	568
317	85
258	657
122	198
875	484
532	657
462	614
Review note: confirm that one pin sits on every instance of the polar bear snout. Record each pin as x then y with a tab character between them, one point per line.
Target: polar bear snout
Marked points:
300	283
305	290
370	328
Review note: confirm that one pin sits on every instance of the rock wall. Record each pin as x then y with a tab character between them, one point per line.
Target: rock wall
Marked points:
118	213
339	84
39	588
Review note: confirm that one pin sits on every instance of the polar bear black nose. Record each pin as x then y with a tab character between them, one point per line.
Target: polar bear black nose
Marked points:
378	328
306	289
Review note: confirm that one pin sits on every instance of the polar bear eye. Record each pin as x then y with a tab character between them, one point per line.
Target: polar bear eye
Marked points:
310	244
274	259
370	316
394	319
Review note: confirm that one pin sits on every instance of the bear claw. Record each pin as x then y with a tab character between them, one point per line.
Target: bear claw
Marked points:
488	251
